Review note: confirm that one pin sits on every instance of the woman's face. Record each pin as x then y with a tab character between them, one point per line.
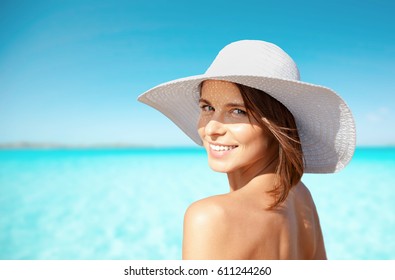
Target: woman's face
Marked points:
233	143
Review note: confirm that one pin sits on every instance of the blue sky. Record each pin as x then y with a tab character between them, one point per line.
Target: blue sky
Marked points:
70	71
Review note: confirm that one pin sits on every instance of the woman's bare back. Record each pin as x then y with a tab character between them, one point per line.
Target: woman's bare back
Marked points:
238	226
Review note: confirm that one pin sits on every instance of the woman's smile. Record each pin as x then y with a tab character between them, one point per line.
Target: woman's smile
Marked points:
219	150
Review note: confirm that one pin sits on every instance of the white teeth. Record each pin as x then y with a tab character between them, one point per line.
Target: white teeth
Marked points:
221	148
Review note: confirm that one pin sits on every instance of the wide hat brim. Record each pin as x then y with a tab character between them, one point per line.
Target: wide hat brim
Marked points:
325	123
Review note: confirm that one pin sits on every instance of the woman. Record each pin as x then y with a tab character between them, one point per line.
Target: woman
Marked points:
264	128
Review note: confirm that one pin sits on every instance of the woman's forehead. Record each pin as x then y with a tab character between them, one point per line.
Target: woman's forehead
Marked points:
220	91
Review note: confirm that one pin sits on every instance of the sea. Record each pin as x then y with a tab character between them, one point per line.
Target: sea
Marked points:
129	203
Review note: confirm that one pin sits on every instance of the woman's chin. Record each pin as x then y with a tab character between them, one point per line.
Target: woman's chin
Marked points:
220	167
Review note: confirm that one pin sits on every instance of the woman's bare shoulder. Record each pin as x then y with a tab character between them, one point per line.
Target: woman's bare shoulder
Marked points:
205	227
225	227
309	223
303	190
210	207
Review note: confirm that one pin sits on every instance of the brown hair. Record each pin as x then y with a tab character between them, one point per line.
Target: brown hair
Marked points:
279	121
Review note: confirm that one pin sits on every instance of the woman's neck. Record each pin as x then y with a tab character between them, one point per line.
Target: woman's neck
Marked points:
258	175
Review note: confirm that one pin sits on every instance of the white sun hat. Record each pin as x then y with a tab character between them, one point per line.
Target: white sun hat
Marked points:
324	121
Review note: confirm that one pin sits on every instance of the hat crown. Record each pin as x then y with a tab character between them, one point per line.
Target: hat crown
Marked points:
254	58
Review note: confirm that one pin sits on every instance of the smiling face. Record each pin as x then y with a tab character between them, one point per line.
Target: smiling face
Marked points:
233	143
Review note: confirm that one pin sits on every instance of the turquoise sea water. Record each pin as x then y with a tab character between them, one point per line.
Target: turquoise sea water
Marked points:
129	204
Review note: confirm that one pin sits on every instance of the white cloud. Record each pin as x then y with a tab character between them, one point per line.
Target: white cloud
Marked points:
378	115
375	127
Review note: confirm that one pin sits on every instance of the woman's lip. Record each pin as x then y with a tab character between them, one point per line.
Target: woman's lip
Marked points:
220	150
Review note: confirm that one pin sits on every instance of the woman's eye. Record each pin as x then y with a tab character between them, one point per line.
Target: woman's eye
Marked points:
239	112
206	108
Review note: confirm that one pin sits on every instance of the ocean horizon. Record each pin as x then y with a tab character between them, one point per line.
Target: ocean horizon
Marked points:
128	202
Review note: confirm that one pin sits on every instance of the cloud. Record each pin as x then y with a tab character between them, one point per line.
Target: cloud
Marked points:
379	115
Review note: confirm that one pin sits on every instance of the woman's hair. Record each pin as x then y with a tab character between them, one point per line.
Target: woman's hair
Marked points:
278	120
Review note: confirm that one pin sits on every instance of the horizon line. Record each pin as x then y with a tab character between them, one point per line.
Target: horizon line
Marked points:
48	145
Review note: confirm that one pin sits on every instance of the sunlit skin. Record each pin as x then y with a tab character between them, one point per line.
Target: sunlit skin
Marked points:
234	145
238	225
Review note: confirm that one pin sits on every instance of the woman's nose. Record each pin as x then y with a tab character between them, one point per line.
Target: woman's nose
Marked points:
215	128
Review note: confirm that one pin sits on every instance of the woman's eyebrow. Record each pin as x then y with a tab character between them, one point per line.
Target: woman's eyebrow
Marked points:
235	105
202	100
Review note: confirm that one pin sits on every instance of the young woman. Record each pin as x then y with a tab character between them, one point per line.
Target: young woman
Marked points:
264	128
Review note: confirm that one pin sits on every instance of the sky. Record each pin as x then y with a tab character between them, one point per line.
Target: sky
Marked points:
71	71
